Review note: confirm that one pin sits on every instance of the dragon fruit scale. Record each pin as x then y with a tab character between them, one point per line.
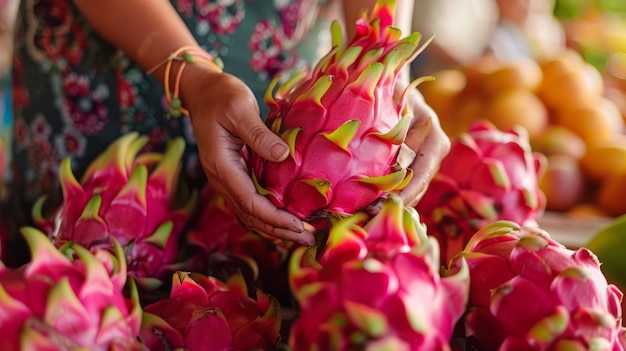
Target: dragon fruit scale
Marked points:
488	175
375	286
68	299
529	292
204	313
218	244
128	196
342	124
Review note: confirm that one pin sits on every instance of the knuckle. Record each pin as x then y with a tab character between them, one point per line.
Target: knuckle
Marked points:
246	219
210	166
245	203
257	134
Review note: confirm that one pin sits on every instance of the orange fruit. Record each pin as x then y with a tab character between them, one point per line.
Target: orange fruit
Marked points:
442	93
519	107
569	60
616	70
587	210
578	87
619	99
476	70
520	74
612	194
563	183
558	140
468	110
596	122
603	160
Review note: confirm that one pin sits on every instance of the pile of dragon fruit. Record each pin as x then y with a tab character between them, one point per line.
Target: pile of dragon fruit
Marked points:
134	260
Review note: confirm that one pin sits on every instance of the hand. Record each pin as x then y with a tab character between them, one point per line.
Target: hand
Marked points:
429	142
225	116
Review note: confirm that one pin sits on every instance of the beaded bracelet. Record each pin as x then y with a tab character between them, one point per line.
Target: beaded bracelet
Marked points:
185	55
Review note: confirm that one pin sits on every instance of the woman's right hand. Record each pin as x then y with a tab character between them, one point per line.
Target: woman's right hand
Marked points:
225	116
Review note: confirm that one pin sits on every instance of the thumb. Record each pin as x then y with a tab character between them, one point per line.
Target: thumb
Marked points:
264	142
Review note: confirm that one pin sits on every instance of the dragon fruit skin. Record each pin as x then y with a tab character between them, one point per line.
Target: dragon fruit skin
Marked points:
61	303
127	197
488	175
216	236
529	292
219	245
342	124
204	313
375	287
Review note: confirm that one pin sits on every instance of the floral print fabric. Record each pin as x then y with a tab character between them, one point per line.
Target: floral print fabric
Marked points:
73	93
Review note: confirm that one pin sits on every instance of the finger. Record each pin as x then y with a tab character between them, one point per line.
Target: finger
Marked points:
262	140
426	164
256	210
406	156
418	133
305	238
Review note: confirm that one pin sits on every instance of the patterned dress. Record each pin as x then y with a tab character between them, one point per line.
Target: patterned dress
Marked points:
73	93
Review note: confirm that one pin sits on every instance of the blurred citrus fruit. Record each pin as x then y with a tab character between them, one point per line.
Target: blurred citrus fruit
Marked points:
519	74
563	182
577	87
612	194
603	160
597	122
558	140
469	109
519	107
442	93
587	210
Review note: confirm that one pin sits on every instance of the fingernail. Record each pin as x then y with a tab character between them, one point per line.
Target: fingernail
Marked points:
307	240
279	151
308	227
295	229
296	225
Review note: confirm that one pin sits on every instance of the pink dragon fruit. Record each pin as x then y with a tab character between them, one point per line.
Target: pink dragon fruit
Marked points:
375	287
488	175
68	300
204	313
528	292
128	197
342	124
219	245
217	236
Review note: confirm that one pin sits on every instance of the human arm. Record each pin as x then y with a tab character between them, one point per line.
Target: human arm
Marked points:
223	111
8	11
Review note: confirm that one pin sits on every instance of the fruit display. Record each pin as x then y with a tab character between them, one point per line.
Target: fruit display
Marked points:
69	299
563	103
136	257
343	119
128	197
488	175
528	292
375	286
204	311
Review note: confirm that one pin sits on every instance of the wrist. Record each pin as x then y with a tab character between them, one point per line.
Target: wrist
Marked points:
195	79
184	64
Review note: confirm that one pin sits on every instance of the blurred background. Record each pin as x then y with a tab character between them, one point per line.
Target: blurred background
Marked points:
557	68
8	10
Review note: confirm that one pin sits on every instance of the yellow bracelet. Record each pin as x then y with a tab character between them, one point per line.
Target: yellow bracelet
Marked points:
186	55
